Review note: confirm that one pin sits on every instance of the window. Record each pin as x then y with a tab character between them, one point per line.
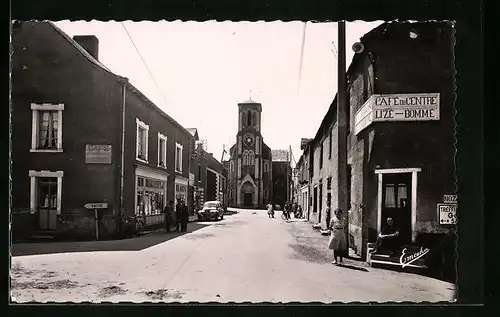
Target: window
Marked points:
329	183
45	191
249	118
178	157
162	150
321	156
142	141
46	125
330	144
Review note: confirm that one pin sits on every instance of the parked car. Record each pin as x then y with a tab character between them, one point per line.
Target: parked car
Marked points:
212	210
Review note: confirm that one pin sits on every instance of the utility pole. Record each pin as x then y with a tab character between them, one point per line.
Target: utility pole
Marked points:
342	126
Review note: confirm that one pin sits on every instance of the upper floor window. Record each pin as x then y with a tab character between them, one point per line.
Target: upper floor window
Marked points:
162	150
321	156
178	157
248	158
249	118
330	139
46	125
142	141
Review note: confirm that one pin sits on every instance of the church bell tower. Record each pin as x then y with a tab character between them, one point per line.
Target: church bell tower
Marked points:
249	154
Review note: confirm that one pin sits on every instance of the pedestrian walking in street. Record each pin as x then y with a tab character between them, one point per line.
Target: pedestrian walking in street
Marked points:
299	211
167	213
338	242
270	210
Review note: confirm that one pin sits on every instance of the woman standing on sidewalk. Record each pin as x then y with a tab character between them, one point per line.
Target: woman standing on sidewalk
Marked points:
338	241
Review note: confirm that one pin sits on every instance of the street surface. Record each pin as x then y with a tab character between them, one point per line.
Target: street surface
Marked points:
246	257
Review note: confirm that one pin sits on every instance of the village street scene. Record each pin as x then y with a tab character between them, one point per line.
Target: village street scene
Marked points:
233	162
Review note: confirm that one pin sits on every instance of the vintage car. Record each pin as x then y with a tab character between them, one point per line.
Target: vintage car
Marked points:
211	210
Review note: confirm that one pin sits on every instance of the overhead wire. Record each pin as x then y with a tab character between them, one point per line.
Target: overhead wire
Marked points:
144	62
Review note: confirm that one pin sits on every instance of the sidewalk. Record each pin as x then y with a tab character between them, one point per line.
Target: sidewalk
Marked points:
129	244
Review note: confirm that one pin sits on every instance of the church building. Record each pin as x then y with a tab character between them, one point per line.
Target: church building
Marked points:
250	165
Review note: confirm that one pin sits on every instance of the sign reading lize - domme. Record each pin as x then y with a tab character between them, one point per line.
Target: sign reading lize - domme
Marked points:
398	107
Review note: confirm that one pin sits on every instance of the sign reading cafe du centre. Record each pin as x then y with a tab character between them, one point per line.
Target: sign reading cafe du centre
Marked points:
397	107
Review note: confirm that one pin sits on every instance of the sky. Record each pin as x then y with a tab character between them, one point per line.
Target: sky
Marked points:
200	71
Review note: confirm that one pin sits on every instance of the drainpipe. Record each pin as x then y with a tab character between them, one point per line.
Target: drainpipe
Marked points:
122	154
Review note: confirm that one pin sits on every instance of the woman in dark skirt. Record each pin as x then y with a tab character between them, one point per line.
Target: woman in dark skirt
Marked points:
338	242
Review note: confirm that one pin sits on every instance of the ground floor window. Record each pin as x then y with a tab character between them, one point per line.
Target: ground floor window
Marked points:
151	197
180	192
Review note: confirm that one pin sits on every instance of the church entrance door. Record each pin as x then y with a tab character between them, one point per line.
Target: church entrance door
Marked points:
247	190
247	199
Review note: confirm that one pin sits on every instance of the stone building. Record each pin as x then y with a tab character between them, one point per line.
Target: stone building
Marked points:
400	141
250	168
81	134
282	176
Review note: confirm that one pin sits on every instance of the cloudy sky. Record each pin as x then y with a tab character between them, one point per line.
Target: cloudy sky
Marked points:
200	71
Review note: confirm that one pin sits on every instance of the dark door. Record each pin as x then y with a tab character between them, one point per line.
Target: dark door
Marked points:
396	202
47	203
247	199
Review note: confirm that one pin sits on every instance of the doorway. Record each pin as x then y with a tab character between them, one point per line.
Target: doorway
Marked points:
47	203
396	203
247	199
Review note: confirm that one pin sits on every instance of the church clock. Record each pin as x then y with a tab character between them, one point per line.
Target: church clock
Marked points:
248	139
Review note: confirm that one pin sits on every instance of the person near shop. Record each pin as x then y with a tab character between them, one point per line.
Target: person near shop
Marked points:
328	213
178	215
286	211
294	210
167	213
299	211
338	242
388	238
184	216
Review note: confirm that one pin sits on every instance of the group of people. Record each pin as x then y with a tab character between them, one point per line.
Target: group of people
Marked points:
288	209
387	239
181	216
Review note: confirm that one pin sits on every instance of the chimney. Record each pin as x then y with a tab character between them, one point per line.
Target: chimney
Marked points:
90	43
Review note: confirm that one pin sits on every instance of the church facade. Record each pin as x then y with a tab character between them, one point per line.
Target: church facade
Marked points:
250	165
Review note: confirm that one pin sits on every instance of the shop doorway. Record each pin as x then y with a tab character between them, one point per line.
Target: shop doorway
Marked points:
47	203
396	203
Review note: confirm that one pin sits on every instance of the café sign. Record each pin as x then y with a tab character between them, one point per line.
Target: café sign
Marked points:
396	108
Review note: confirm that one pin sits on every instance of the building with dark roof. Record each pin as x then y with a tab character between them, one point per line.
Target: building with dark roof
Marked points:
400	144
82	135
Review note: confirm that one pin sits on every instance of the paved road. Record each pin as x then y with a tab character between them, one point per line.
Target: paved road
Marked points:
245	257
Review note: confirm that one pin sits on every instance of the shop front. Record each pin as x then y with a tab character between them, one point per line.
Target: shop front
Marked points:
151	195
181	189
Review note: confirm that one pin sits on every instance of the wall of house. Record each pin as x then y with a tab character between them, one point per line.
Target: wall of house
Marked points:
48	69
279	175
136	107
322	173
404	65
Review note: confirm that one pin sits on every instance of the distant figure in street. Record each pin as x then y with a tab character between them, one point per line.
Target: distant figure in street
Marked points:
168	211
299	211
388	238
294	210
184	216
328	213
178	215
338	242
270	210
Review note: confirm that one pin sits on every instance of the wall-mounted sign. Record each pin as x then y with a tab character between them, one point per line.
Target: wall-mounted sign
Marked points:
447	214
98	153
450	199
397	107
96	205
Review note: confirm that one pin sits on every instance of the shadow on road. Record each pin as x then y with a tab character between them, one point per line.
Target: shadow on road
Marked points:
352	267
130	244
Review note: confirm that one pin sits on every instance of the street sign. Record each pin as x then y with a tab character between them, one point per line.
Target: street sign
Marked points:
447	214
450	199
96	205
